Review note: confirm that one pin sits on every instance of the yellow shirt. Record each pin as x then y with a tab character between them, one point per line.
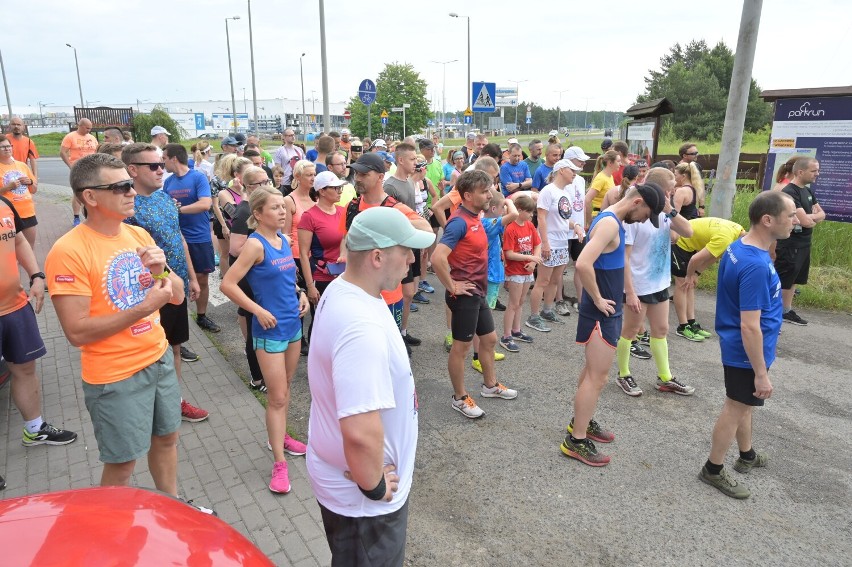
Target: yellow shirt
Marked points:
346	195
602	183
711	233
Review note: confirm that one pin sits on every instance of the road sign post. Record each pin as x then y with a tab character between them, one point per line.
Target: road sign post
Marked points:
367	94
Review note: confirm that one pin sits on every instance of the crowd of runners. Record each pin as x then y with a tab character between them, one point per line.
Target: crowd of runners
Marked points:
327	251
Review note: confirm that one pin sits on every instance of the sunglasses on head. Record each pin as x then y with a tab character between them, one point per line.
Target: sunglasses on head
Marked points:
357	148
153	166
120	188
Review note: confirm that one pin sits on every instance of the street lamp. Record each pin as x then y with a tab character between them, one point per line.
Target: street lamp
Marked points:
559	107
517	100
253	88
444	96
40	115
231	73
469	85
302	74
77	64
313	102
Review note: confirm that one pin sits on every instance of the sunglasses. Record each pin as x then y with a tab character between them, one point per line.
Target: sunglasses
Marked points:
258	184
154	166
357	149
692	153
6	148
120	188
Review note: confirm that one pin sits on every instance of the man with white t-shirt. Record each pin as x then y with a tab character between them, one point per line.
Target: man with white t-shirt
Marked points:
578	157
288	154
363	424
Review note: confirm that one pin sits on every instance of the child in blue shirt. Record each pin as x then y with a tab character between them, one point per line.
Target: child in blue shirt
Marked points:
494	225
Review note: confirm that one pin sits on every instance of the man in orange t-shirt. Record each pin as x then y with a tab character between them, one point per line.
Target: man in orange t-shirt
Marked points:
20	342
23	149
108	281
76	145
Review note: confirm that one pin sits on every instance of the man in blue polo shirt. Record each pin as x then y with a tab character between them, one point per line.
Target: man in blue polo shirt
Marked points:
515	174
190	188
551	156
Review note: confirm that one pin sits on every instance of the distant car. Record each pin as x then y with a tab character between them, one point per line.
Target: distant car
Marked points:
209	136
117	526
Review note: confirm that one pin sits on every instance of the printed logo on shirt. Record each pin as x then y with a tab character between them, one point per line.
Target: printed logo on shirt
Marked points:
563	207
141	327
126	280
8	222
12	176
579	202
474	227
63	278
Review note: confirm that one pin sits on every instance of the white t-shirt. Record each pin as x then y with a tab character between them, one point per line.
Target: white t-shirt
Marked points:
650	258
577	189
282	157
205	167
557	203
357	364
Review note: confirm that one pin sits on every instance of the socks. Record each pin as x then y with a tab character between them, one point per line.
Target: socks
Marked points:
404	332
660	351
749	455
33	425
690	322
622	355
476	356
787	310
713	469
548	308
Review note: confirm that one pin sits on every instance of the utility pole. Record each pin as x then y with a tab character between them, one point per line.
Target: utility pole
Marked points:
6	84
724	191
326	116
253	87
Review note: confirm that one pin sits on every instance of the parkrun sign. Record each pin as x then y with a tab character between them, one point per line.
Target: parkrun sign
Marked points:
805	112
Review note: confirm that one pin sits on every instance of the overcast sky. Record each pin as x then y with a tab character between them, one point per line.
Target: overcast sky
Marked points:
598	51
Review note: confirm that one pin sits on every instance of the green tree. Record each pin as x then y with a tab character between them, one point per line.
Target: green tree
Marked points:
397	84
696	80
142	124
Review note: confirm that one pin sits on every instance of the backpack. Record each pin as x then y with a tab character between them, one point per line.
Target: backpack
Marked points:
354	206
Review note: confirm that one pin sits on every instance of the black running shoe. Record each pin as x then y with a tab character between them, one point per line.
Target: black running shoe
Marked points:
637	351
207	324
48	435
187	355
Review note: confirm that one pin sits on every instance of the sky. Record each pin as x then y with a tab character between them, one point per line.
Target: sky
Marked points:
596	52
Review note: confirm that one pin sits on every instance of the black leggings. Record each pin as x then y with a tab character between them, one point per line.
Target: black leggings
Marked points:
320	288
251	355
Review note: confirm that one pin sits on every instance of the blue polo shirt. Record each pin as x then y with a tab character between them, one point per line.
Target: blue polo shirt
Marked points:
188	189
513	174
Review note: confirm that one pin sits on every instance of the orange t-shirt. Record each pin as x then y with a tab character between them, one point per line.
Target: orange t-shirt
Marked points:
21	197
22	148
107	270
79	146
12	296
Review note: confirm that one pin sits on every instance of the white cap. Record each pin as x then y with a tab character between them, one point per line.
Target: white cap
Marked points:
563	163
159	130
327	179
576	152
512	141
379	143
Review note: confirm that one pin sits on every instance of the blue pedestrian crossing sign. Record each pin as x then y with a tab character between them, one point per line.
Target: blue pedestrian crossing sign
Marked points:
483	99
529	120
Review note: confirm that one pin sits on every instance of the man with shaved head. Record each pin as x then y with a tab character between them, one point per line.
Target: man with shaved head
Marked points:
113	136
23	149
75	145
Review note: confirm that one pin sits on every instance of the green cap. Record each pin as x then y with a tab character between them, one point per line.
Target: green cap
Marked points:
383	227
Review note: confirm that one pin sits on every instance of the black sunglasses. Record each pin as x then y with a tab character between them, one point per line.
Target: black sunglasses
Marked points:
120	188
153	166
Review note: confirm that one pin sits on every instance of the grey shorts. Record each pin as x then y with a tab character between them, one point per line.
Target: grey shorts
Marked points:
125	414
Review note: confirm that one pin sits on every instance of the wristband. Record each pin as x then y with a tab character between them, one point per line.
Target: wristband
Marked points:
377	493
37	275
163	275
672	214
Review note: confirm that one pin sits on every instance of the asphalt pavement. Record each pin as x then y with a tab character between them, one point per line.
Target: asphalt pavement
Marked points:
497	491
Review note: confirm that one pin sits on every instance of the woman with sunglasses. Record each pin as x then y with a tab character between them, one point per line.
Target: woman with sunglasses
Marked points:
278	305
18	187
320	234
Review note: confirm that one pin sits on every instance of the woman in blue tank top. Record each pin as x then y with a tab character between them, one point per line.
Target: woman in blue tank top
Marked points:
267	263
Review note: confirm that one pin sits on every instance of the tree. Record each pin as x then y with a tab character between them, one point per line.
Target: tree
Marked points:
696	80
397	84
142	124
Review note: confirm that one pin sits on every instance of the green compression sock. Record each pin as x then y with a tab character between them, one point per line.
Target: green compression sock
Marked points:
660	350
622	355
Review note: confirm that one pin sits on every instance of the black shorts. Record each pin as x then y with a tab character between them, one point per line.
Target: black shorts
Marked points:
607	328
739	385
793	265
680	261
217	228
470	314
365	541
29	222
574	248
654	298
175	321
201	255
433	222
413	268
20	340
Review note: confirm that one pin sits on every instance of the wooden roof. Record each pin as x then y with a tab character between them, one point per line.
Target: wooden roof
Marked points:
770	96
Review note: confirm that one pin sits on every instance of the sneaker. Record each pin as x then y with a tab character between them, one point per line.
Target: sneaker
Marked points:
674	386
628	384
202	509
697	329
508	344
476	365
724	482
207	324
2	483
467	407
430	269
537	323
584	451
48	435
413	308
448	342
420	298
411	340
549	316
573	301
644	338
791	317
687	333
743	466
425	286
498	356
498	391
638	352
522	337
187	355
303	350
76	221
499	306
291	446
189	412
595	432
562	308
280	482
258	385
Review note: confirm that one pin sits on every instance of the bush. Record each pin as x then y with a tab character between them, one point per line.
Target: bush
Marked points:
142	124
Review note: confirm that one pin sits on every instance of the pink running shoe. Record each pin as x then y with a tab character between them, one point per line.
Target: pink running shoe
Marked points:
280	482
291	446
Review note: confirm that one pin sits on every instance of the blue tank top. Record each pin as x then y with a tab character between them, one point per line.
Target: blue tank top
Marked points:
273	282
609	274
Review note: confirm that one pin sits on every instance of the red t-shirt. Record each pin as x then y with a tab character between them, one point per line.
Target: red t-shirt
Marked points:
325	239
520	239
465	235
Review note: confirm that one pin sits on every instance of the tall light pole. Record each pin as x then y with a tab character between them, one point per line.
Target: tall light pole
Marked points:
6	85
253	88
231	73
302	74
517	101
77	64
559	107
469	85
245	102
313	102
40	115
444	96
326	116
